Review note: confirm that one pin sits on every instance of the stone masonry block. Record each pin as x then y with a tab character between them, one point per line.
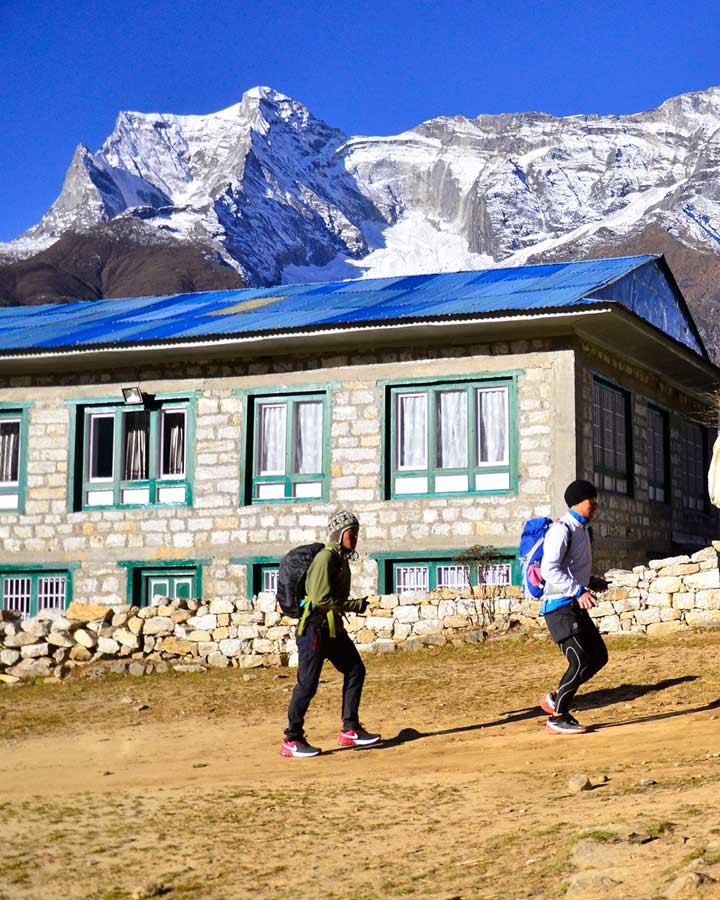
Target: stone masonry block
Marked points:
703	580
667	585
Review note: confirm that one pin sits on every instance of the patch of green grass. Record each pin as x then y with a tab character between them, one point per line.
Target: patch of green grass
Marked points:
656	829
598	835
697	853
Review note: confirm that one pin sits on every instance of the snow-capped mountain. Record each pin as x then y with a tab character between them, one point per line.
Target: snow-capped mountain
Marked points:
261	184
275	194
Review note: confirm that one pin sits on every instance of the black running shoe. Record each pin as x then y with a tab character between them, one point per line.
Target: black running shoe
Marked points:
566	724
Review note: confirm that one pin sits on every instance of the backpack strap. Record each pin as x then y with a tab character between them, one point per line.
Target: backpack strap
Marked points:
303	618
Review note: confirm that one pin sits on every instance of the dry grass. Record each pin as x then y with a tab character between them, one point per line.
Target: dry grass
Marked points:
468	798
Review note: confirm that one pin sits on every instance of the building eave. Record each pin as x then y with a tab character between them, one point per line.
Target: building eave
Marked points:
604	323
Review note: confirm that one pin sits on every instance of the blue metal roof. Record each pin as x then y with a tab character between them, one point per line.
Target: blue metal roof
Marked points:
287	308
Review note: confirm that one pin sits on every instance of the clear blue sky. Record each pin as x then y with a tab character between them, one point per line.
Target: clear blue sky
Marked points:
374	67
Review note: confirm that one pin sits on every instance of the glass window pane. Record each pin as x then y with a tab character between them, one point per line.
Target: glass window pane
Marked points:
51	592
136	439
597	426
307	449
16	594
101	440
693	465
172	461
492	415
9	450
609	461
497	573
452	576
610	448
269	581
656	453
182	587
158	589
271	433
411	450
619	429
411	578
451	429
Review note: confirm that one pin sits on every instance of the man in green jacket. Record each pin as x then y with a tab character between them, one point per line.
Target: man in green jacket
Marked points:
321	635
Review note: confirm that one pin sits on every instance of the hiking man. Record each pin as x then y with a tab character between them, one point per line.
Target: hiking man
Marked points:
321	635
567	597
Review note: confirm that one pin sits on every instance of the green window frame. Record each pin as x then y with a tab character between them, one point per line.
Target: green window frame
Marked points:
429	570
261	572
153	584
451	437
612	437
33	589
658	451
13	457
694	461
133	456
286	445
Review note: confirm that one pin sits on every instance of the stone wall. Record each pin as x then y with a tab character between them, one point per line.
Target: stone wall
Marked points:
666	595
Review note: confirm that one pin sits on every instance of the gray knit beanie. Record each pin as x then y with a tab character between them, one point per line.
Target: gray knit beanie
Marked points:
340	522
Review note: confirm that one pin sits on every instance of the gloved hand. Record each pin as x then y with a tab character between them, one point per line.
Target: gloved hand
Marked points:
363	605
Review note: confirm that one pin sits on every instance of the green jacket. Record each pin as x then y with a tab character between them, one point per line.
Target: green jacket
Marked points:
327	587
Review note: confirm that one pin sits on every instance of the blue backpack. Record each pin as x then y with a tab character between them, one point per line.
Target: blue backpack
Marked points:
530	552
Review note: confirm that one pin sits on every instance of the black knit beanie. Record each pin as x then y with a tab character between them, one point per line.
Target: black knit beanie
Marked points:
579	490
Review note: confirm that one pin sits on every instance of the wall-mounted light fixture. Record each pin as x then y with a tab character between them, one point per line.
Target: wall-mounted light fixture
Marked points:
132	396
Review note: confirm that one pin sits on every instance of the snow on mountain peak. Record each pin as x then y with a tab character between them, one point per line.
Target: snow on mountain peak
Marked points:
281	194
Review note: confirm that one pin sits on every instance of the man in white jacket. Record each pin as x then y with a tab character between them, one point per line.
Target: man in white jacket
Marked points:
567	597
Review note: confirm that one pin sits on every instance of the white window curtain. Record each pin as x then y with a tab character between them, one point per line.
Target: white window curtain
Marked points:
412	431
9	450
271	437
269	581
495	574
135	453
17	594
451	429
307	452
452	576
51	592
492	426
411	578
173	451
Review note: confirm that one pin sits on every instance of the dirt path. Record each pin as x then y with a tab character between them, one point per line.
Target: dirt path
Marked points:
469	797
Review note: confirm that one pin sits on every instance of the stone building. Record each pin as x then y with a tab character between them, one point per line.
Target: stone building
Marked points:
177	446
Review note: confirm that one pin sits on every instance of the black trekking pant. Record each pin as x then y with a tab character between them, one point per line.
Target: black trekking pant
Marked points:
315	646
583	647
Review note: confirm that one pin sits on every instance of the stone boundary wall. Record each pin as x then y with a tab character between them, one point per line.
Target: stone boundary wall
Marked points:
665	596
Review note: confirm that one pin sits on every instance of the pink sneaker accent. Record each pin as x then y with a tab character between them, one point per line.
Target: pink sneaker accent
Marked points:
298	749
357	737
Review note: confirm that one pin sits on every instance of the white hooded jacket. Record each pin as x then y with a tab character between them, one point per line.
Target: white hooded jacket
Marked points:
567	561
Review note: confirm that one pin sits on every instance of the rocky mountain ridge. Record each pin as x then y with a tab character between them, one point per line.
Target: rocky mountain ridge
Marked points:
263	192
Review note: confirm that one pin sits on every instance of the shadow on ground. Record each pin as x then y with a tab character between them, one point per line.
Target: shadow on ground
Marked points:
620	694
